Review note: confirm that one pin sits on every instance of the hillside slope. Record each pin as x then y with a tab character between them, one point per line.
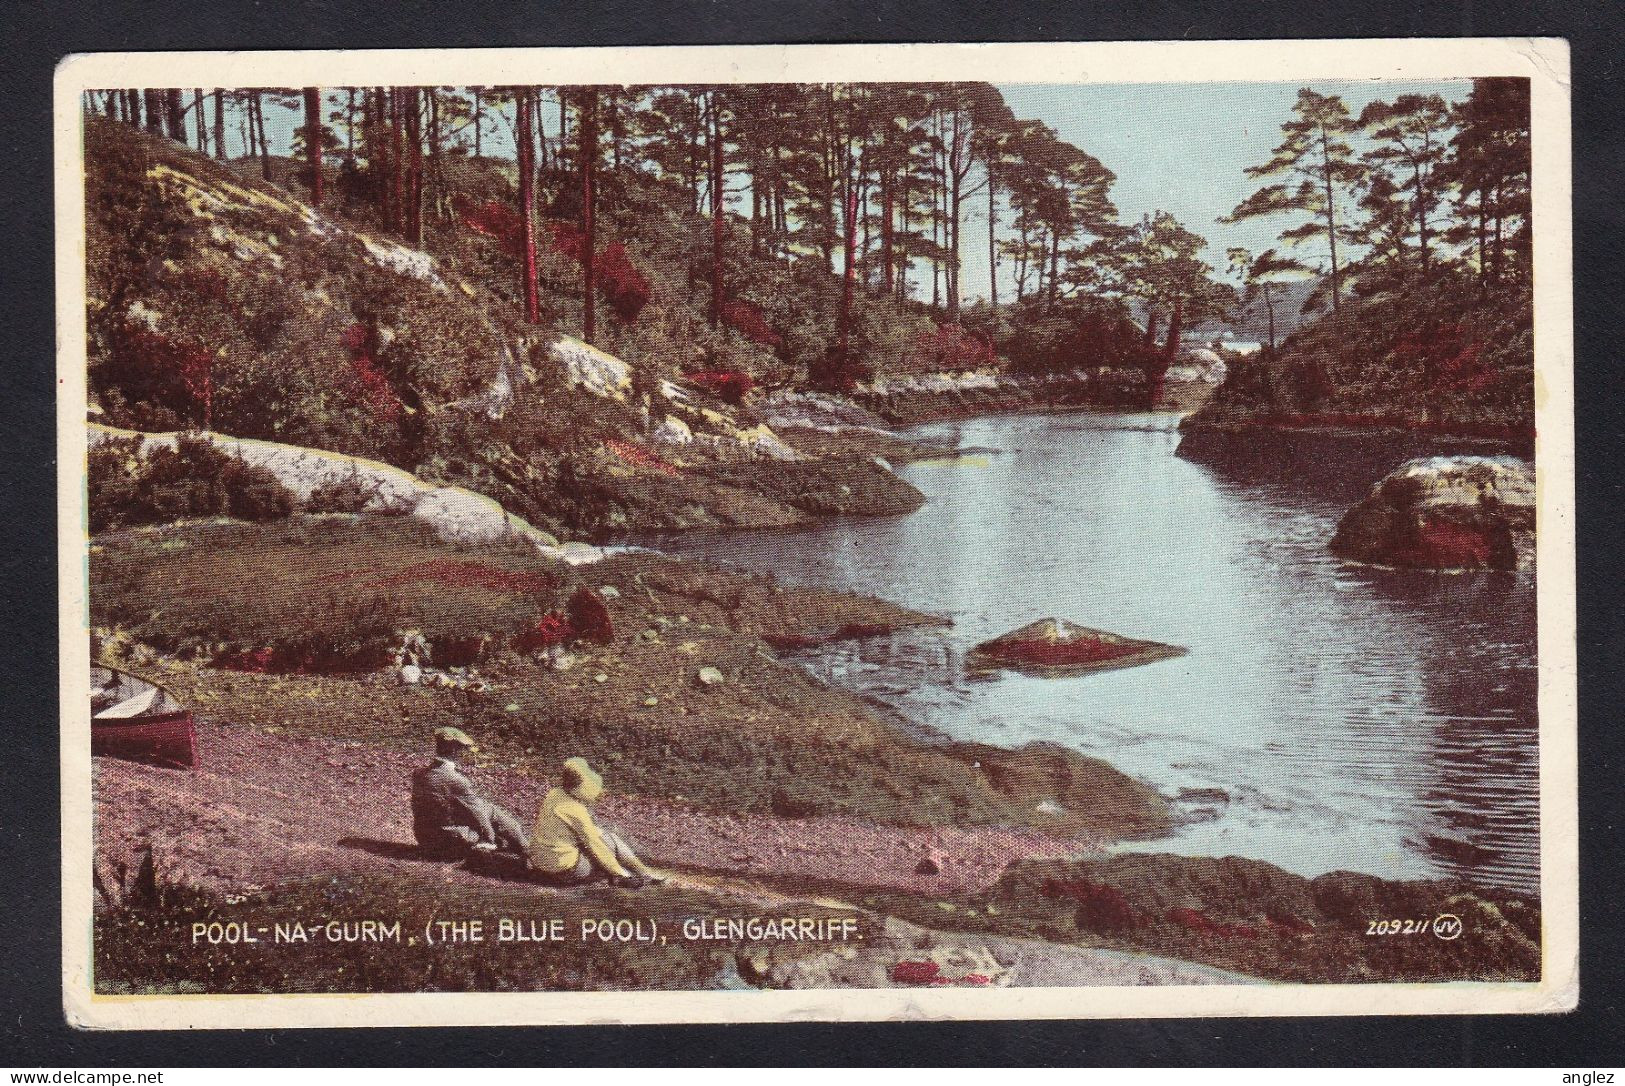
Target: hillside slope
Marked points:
1441	357
222	302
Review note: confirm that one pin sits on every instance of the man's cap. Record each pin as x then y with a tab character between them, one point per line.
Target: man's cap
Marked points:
454	735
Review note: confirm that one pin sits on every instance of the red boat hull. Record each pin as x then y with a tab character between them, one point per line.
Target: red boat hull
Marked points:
168	740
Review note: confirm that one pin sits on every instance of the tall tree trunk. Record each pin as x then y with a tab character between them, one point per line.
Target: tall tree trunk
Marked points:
903	264
527	204
202	128
153	103
1498	246
414	167
175	114
1157	370
589	258
954	199
843	324
259	129
132	107
436	170
716	210
887	273
992	252
479	121
1176	326
349	125
540	122
1054	266
1269	308
397	156
376	126
220	124
313	142
1421	218
755	214
1331	212
1483	231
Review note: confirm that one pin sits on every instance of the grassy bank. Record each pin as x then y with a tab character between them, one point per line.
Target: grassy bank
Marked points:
178	602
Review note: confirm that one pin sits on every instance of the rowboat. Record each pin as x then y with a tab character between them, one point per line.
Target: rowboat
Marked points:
134	719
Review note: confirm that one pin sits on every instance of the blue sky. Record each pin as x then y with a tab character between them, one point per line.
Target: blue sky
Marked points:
1181	148
1177	147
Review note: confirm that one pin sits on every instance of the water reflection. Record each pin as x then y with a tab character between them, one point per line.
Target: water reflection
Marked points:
1327	716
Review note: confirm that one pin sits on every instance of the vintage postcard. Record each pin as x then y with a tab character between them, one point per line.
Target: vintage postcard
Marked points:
862	532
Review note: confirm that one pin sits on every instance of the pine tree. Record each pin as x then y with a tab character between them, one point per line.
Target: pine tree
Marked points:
1261	275
527	199
1411	136
1316	155
314	132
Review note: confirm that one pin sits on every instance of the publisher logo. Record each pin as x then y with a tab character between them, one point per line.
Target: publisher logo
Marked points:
1447	926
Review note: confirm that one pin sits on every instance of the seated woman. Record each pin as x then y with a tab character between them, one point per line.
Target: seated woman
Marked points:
567	847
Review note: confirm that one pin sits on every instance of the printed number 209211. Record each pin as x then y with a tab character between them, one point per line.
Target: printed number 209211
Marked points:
1399	927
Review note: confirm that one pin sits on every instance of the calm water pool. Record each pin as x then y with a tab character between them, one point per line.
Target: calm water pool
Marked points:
1327	716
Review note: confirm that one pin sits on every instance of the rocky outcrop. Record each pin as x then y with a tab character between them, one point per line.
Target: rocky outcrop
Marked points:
1253	917
1446	513
1057	647
456	514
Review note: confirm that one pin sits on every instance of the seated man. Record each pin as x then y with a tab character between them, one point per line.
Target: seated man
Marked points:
449	816
567	847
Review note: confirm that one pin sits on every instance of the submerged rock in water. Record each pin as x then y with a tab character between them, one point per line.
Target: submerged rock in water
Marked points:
1056	646
1446	512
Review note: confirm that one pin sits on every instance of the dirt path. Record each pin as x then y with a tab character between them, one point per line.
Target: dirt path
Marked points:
266	808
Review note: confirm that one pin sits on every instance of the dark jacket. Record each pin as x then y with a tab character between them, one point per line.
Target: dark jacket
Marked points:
448	813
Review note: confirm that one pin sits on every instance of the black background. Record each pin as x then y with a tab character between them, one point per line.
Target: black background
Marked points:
32	1030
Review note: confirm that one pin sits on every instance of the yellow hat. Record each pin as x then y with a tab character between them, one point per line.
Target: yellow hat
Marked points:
443	736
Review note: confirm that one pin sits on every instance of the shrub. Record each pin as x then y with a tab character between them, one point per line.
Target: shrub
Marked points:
726	385
748	321
351	494
623	286
194	478
951	349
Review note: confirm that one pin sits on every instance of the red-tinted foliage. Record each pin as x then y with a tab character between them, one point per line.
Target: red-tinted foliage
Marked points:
551	629
257	661
624	287
494	219
362	343
634	453
726	385
1444	544
749	322
952	348
176	373
791	642
926	972
289	660
1101	908
590	617
1291	925
1399	422
1060	653
1203	924
1448	357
